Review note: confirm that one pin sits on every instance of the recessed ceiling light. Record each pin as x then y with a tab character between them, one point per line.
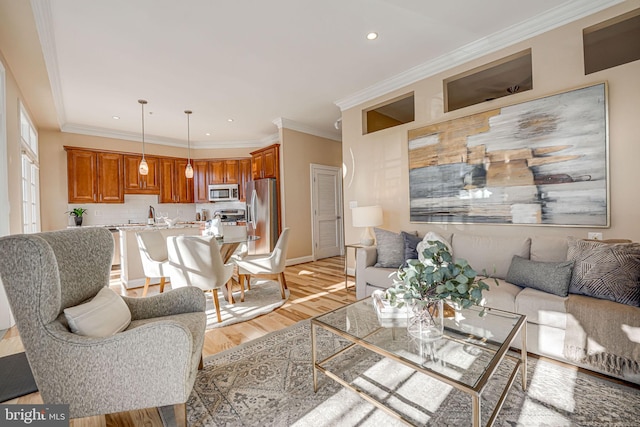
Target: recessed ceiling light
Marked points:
115	117
208	134
229	120
372	36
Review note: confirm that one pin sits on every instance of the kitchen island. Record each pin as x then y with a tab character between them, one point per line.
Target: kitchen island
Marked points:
131	272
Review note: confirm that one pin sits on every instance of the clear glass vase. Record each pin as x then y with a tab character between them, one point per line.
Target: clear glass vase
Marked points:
426	320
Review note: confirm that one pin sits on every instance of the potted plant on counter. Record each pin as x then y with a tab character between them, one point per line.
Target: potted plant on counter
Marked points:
77	214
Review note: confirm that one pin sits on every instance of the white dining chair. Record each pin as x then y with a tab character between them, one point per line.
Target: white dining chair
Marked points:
265	265
196	261
153	253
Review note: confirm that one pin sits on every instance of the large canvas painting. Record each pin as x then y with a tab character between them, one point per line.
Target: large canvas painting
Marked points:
540	162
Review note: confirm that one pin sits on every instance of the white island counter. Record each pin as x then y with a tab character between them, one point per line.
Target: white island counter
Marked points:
131	273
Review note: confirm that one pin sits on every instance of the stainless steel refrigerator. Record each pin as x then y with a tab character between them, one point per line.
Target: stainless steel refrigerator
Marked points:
262	215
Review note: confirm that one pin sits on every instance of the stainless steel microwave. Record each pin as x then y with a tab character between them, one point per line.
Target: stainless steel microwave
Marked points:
223	192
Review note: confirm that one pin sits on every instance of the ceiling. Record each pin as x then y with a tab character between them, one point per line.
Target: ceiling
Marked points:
260	63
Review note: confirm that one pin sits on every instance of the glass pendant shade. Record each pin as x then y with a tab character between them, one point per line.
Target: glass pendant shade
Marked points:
143	169
188	171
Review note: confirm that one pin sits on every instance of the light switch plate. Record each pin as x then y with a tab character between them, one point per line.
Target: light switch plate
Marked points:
353	204
594	236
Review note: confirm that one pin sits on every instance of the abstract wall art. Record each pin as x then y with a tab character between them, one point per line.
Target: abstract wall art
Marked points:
540	162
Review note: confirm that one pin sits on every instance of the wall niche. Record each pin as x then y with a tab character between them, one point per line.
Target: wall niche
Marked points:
496	79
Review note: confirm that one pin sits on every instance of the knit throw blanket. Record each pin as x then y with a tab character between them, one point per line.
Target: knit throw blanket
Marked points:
603	334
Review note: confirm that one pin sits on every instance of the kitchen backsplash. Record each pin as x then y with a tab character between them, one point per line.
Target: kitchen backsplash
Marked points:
135	209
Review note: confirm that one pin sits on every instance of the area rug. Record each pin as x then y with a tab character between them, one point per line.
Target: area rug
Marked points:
263	298
268	382
16	378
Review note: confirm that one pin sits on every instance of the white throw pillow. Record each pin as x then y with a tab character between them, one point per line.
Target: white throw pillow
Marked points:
430	237
105	315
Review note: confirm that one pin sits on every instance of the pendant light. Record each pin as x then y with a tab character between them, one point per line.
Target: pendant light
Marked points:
188	171
144	167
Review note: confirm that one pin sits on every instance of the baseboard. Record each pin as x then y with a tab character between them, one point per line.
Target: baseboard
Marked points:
301	260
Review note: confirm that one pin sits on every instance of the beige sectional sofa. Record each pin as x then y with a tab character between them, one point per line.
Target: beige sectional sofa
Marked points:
555	324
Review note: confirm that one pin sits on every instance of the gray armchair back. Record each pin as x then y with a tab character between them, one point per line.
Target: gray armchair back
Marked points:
152	363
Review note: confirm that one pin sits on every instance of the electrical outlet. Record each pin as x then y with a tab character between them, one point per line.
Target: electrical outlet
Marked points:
594	236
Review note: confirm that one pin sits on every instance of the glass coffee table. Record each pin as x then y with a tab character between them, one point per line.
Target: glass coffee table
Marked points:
465	358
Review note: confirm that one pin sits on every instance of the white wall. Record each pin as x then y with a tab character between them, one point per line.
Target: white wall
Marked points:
6	318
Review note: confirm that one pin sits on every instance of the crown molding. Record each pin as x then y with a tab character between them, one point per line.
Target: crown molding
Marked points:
282	122
546	21
42	16
151	139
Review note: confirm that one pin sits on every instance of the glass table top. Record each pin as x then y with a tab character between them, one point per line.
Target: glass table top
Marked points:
469	351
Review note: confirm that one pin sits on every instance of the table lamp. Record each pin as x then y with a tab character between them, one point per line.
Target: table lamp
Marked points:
367	217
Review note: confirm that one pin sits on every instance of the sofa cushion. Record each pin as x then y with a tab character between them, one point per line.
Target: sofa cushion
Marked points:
105	315
410	243
502	296
552	277
606	271
553	249
542	308
490	254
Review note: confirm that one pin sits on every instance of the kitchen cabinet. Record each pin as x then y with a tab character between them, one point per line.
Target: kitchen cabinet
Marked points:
134	183
94	177
244	176
174	186
200	180
265	162
223	171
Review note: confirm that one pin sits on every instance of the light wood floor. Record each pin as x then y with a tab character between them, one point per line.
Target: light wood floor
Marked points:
315	288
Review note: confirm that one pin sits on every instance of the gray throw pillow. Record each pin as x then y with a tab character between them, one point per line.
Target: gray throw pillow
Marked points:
410	243
605	271
390	248
551	277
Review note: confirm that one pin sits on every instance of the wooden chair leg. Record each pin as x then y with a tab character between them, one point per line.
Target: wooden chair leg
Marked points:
217	304
282	285
201	364
147	281
284	280
248	277
241	291
229	292
162	279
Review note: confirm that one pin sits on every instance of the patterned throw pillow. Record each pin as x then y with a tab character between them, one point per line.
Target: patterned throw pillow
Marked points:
606	271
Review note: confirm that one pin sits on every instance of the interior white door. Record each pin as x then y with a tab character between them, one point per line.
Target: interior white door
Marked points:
326	190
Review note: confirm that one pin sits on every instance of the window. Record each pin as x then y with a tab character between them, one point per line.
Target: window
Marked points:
30	175
397	111
504	77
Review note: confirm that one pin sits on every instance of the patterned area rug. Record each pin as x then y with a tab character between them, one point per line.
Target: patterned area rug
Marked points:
268	382
263	298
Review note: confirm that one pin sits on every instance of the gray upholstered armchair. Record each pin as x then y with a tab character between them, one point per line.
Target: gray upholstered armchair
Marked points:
153	362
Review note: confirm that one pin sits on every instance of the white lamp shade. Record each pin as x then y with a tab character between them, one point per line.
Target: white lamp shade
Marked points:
367	216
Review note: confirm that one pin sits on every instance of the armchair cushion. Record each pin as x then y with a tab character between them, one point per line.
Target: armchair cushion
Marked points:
103	316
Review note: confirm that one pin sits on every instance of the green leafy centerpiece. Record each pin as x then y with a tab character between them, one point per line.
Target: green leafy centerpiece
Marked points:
424	285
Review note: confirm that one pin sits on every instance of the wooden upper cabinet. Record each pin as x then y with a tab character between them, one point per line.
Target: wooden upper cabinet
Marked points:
184	187
94	177
244	176
200	179
110	178
81	176
265	162
223	172
134	183
174	186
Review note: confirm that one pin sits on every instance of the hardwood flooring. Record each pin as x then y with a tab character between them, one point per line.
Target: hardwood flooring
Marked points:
315	288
